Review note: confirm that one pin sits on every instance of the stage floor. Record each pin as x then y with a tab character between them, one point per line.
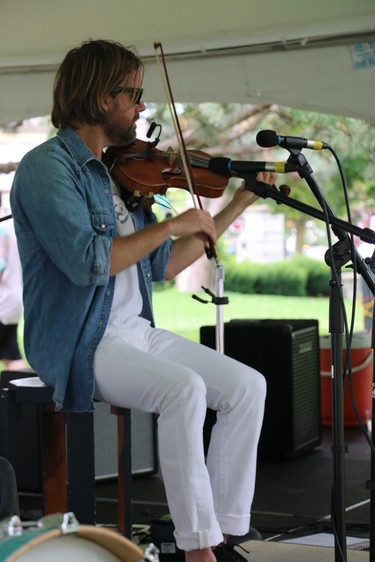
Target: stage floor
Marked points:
293	501
264	551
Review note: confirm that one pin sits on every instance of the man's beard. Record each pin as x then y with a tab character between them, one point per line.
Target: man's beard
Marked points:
117	135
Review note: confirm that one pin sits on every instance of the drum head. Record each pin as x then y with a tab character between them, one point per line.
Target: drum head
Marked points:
88	544
70	548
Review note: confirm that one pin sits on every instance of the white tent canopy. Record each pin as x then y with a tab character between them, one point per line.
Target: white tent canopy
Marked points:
311	55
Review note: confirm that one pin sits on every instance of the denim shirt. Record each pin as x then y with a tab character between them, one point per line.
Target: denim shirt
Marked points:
64	219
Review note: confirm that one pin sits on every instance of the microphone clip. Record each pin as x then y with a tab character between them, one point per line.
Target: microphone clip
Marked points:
214	299
150	132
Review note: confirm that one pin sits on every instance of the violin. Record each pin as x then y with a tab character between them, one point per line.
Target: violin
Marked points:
142	171
147	171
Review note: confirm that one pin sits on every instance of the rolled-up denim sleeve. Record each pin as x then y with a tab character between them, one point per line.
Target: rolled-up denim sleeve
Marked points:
160	260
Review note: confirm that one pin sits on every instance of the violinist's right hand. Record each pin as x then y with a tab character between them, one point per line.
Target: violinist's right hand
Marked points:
194	222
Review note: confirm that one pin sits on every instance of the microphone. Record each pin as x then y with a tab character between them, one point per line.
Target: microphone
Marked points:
224	166
267	139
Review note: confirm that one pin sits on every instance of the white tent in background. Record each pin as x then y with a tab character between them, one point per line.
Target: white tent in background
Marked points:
310	55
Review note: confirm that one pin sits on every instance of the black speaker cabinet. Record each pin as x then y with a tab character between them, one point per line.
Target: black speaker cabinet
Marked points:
286	352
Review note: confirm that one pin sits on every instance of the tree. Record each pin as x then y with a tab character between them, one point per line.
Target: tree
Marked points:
230	130
353	141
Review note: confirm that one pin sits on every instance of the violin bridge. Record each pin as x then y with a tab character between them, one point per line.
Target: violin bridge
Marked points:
171	155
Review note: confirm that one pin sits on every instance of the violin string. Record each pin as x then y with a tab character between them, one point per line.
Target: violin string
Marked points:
200	161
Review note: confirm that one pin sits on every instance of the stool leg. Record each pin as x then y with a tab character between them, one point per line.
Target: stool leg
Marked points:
81	466
124	470
54	462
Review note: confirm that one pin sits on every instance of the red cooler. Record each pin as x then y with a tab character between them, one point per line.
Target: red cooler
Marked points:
361	361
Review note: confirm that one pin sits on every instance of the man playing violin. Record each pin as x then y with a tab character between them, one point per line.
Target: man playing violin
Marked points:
88	264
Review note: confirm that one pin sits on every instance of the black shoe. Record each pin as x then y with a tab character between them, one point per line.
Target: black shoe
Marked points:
228	553
252	535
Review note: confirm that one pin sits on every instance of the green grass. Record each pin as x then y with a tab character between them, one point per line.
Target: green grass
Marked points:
180	313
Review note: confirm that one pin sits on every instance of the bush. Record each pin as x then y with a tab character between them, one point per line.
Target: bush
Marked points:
282	278
297	276
318	275
240	277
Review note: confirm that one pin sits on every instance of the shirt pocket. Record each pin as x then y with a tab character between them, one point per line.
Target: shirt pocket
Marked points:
103	221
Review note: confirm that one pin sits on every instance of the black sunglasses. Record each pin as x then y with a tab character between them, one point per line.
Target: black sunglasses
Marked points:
137	92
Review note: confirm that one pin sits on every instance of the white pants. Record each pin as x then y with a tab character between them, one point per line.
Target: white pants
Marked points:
178	379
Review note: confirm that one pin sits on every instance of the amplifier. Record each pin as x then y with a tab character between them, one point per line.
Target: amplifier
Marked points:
143	439
286	352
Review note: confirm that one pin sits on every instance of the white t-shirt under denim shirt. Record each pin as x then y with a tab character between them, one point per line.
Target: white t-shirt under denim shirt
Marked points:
124	319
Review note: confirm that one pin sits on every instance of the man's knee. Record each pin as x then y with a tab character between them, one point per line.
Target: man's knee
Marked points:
252	384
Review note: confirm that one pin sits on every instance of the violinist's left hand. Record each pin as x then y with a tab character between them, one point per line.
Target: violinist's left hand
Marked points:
244	197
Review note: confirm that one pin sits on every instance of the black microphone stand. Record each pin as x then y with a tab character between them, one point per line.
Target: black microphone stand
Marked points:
336	330
340	254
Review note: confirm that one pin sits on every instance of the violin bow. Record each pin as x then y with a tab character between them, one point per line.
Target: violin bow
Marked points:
219	300
210	250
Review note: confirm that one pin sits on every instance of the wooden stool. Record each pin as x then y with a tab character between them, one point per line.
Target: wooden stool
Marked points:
67	449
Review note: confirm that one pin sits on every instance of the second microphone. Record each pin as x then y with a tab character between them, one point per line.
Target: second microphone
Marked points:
221	165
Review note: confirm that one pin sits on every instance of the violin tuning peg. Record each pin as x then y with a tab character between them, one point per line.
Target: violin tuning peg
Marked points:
285	189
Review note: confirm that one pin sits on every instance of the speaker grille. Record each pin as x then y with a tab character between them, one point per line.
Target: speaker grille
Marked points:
305	391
